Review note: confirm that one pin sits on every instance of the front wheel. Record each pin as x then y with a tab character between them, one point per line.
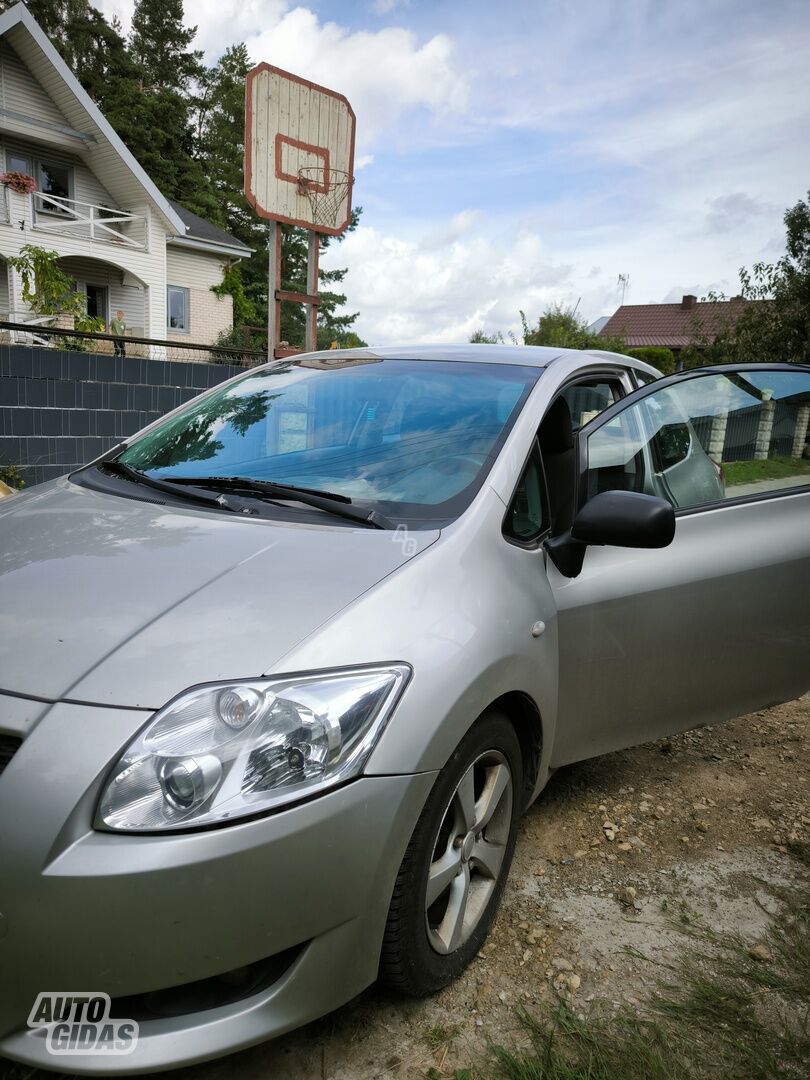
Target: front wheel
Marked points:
454	870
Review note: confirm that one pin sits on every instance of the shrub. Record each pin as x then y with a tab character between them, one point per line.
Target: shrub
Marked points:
11	475
663	359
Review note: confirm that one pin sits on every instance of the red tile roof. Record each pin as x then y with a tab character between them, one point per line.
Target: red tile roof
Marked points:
672	326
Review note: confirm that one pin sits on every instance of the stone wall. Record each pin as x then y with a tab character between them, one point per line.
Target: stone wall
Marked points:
59	410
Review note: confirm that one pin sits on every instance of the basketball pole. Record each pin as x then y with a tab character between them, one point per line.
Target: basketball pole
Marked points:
273	288
311	336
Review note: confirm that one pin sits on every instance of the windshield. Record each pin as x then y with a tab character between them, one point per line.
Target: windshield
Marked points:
411	438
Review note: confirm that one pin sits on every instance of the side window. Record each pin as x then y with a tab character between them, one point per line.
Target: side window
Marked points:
177	314
708	438
644	378
587	399
526	518
54	179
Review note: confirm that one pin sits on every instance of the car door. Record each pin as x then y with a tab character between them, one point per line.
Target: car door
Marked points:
717	624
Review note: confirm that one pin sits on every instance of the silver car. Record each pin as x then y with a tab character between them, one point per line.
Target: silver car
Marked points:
279	675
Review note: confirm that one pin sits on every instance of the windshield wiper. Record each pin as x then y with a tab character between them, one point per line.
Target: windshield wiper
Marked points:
224	502
329	501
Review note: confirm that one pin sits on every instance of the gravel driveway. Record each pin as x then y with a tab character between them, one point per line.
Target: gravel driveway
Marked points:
611	855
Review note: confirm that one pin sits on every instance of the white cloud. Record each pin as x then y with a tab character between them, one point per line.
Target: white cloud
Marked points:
408	290
385	7
384	73
460	224
730	212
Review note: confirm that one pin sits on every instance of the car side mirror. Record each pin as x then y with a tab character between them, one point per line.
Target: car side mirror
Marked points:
615	519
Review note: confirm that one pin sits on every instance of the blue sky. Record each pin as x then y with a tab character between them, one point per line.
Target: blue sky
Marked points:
516	154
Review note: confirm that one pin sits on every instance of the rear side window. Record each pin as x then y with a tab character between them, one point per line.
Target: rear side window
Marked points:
526	517
708	438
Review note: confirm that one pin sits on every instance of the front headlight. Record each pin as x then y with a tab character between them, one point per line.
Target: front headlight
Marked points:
228	750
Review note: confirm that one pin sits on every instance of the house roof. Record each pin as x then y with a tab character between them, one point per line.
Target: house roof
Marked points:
673	326
198	228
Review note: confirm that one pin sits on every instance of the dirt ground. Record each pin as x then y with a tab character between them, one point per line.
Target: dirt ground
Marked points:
608	859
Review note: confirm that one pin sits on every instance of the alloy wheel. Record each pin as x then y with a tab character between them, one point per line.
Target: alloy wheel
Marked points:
468	852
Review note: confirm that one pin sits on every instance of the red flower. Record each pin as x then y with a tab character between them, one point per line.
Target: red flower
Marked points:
19	181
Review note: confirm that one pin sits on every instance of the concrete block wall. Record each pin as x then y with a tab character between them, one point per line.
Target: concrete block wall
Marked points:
58	410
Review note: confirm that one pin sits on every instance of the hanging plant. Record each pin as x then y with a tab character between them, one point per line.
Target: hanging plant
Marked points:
20	182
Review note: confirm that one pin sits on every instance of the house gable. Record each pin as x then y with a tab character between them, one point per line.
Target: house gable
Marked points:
86	131
25	108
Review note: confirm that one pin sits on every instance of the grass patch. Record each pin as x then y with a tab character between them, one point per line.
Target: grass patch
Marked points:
722	1013
775	468
440	1034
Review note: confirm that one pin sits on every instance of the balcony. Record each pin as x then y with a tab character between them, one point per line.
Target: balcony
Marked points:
69	217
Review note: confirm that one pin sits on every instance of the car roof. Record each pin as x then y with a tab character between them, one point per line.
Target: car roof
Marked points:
539	356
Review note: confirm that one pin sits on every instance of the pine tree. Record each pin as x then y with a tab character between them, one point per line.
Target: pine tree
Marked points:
219	143
157	126
160	46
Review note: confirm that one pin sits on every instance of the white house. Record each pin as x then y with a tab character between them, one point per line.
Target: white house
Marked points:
126	245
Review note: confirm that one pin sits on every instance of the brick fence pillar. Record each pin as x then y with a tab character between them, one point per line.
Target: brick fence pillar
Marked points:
764	429
800	431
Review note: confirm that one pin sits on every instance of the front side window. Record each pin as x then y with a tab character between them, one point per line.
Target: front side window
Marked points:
525	519
412	438
177	314
708	438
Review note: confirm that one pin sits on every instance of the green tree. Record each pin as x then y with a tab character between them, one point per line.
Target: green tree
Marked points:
779	329
663	359
46	287
332	324
480	337
219	142
563	328
156	122
160	46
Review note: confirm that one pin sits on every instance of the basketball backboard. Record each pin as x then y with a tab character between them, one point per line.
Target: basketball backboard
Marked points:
299	151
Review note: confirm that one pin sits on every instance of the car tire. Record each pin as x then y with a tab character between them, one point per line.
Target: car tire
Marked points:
461	850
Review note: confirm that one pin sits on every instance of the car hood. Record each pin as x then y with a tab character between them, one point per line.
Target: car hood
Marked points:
127	602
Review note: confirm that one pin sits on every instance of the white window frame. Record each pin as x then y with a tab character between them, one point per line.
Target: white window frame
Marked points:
33	164
186	328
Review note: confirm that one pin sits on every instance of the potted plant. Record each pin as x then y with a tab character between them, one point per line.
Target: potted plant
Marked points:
20	182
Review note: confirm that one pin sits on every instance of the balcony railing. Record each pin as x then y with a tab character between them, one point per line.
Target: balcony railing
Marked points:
70	217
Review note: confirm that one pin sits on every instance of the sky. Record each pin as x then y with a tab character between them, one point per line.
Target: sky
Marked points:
511	155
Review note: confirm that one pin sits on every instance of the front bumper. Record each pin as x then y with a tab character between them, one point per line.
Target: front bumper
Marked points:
128	915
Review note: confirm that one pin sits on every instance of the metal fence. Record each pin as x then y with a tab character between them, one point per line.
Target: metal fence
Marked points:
69	340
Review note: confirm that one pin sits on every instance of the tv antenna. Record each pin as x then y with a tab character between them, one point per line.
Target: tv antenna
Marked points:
623	283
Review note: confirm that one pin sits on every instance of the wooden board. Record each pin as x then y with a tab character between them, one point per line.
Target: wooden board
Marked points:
293	124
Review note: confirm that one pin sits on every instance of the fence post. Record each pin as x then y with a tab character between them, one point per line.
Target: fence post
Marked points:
800	431
765	426
717	437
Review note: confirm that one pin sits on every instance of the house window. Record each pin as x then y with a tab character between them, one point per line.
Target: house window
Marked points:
18	163
54	179
177	314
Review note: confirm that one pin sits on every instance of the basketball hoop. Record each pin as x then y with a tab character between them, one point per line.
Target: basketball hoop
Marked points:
325	189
